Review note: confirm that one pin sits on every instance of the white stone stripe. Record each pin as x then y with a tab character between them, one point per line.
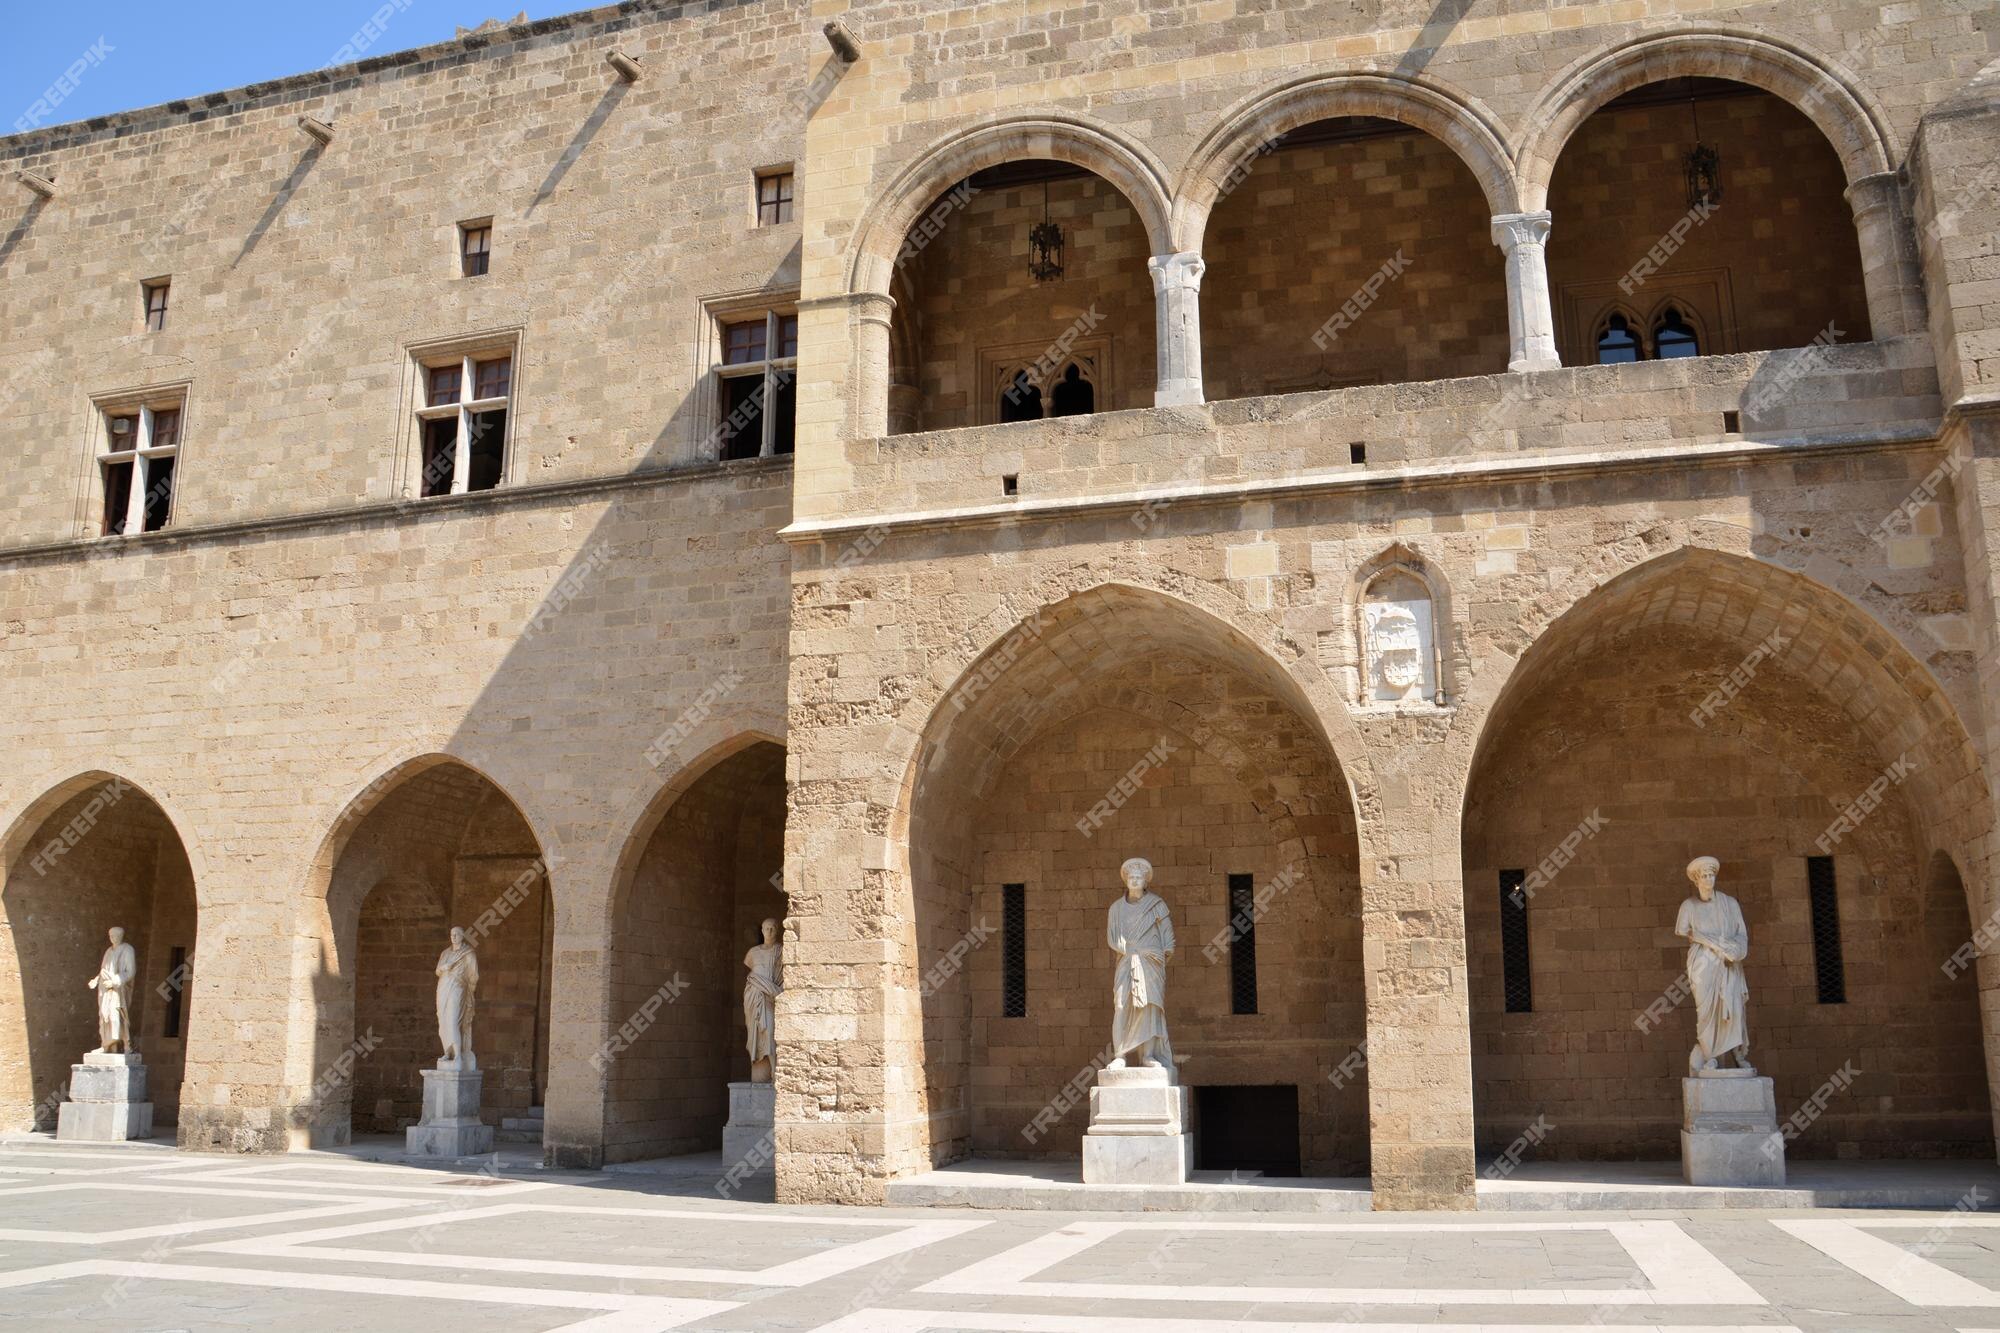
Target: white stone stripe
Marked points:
1911	1277
883	1320
440	1185
1680	1270
632	1313
905	1235
325	1207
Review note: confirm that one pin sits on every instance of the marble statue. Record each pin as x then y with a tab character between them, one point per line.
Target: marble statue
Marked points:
113	984
760	993
1718	941
458	980
1141	934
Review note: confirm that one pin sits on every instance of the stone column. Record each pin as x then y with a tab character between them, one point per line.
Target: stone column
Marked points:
1531	323
869	314
1419	1051
1177	318
1889	267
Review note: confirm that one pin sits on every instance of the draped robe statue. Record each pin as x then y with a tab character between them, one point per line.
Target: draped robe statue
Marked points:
1718	942
458	980
113	984
760	992
1140	931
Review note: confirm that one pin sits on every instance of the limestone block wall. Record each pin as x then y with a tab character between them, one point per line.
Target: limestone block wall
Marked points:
618	209
395	1006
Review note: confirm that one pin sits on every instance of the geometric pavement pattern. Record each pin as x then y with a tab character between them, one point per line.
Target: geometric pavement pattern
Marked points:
145	1237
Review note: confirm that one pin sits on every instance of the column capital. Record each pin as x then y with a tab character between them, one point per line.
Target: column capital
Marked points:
1511	230
1884	189
1181	271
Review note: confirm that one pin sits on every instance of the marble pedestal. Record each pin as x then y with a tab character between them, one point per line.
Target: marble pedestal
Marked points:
1729	1130
1138	1131
747	1138
107	1100
451	1126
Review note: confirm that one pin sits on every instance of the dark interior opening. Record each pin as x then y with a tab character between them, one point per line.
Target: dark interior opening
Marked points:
1247	1128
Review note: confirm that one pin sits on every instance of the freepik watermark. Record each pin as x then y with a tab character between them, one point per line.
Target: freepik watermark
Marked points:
1366	295
367	34
668	743
1125	788
1738	679
79	826
1918	500
569	587
1967	954
748	1165
1260	903
335	1076
1769	391
1864	805
1814	1107
1066	1098
1055	356
643	1018
58	92
1669	244
1509	1161
1673	997
932	224
953	962
1351	1066
1552	865
995	664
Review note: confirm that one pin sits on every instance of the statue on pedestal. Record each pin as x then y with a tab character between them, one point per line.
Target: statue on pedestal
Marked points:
1140	931
760	993
1718	942
458	980
113	984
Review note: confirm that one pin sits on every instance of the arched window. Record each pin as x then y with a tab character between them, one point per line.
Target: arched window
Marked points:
1074	396
1616	343
1021	400
1673	336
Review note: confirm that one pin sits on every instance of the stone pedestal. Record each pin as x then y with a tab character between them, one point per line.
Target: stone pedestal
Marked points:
451	1126
1729	1130
1138	1131
747	1146
107	1100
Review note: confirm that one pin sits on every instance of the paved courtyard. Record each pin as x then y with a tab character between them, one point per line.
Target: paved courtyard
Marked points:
143	1237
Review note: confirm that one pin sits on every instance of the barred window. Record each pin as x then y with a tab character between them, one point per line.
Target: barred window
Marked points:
1014	950
1514	941
1829	969
1242	945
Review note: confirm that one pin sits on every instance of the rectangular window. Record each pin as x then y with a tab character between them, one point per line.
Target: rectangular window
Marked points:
757	402
177	984
1514	941
475	245
138	466
1242	945
155	292
1014	950
774	198
1828	967
462	426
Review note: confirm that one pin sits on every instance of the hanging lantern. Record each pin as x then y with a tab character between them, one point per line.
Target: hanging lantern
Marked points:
1045	245
1704	168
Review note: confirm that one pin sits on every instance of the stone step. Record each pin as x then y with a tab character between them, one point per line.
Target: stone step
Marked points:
506	1135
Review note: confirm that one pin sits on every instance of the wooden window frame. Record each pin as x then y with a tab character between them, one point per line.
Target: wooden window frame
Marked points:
143	454
466	354
466	231
768	367
149	288
784	207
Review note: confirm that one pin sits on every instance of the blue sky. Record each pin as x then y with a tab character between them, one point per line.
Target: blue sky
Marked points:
135	53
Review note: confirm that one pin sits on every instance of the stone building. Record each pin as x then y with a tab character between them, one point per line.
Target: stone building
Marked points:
1418	479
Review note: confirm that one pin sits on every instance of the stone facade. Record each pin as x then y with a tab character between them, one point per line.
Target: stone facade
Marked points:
613	712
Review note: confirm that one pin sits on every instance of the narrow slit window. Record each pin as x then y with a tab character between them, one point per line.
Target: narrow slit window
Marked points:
462	425
1514	941
176	988
1014	950
1242	945
1829	969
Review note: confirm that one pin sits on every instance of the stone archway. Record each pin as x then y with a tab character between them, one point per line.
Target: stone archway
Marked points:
1704	704
1114	723
93	852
